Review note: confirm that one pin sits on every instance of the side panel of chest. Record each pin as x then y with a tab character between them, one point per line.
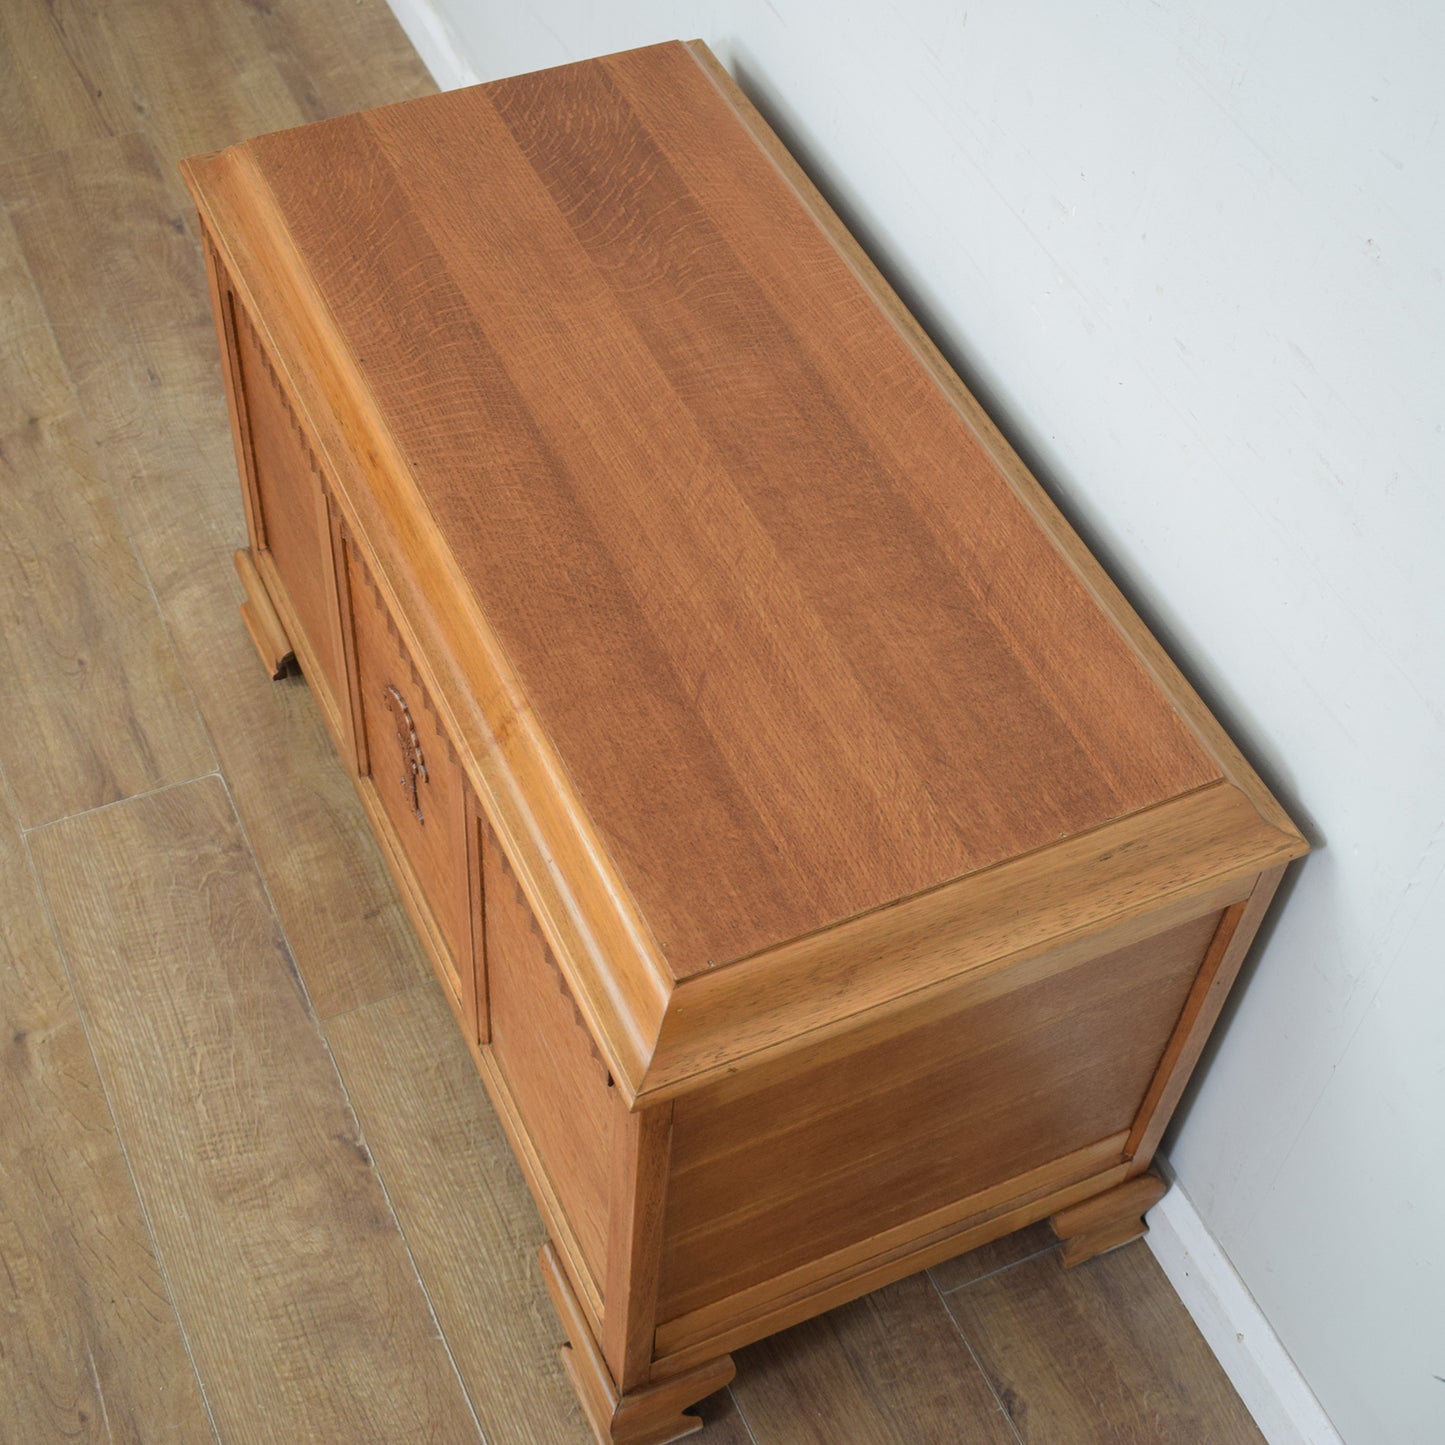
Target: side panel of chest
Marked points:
291	520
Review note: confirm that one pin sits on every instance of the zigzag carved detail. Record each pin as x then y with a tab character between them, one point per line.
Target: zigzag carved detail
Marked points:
551	959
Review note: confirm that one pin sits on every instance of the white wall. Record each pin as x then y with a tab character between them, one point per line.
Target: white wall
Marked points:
1190	256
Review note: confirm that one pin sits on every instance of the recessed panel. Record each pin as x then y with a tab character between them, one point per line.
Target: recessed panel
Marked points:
413	769
556	1077
790	1162
292	507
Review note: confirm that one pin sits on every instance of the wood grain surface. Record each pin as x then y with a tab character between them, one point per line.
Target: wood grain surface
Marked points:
1034	915
240	1133
90	1346
189	77
557	1080
137	335
759	620
834	1379
788	1162
426	807
96	707
1098	1356
637	1205
990	1258
45	101
374	65
111	248
290	499
463	1204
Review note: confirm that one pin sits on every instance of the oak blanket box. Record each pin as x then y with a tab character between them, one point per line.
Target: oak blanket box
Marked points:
828	871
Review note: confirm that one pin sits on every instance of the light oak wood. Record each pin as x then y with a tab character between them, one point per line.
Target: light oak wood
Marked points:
784	1163
562	1236
237	1125
581	906
651	1415
1201	1011
263	627
834	1279
990	932
826	869
413	767
126	295
92	1349
637	1199
1107	1220
1097	1356
785	763
1102	589
517	774
292	517
557	1080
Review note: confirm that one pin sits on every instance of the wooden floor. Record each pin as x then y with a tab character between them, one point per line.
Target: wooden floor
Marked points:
249	1184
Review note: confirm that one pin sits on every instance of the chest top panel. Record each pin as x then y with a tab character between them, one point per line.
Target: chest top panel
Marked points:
798	641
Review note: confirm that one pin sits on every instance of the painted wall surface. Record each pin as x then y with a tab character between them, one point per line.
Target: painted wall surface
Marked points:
1190	255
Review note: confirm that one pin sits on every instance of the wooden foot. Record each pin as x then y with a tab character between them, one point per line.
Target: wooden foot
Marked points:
650	1415
1107	1220
261	621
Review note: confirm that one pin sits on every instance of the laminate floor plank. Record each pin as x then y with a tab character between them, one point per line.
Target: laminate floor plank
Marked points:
990	1258
376	66
90	1347
120	275
96	706
1099	1355
44	101
300	1301
722	1421
889	1369
127	296
465	1210
191	75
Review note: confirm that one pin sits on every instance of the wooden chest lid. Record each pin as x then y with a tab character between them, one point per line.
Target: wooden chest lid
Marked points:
802	632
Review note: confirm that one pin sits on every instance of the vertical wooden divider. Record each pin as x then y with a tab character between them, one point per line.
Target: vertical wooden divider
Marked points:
359	761
641	1148
221	310
1201	1010
481	1005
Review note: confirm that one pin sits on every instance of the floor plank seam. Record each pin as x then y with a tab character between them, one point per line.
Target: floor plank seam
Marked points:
27	829
990	1274
61	952
741	1413
320	1028
973	1354
328	1019
446	1344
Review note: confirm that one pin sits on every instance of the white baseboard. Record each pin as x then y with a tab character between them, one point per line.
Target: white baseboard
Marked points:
1258	1365
432	38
